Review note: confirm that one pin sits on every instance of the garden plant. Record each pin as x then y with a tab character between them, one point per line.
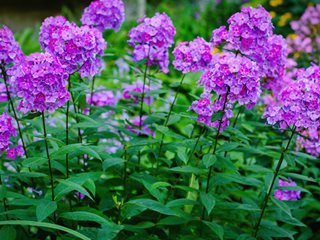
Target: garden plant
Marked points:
199	138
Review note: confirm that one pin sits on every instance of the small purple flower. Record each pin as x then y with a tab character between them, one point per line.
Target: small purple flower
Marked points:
102	98
104	14
3	93
311	144
144	129
151	40
131	92
192	56
287	194
6	131
41	83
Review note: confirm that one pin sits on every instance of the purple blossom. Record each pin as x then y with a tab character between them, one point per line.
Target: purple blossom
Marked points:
102	98
307	30
3	93
192	56
133	92
10	50
144	129
298	103
310	142
41	83
6	131
77	48
104	14
234	72
12	153
151	40
287	194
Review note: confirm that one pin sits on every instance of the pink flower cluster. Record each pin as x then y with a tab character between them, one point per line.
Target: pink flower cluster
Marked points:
310	141
133	92
77	48
7	131
41	83
287	194
104	14
192	56
298	103
10	50
307	30
151	40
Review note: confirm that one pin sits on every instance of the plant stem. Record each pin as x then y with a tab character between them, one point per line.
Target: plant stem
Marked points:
202	132
91	94
168	118
5	78
215	147
265	202
235	123
48	155
67	130
142	100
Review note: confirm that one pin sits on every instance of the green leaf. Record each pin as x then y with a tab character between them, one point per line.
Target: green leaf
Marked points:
90	185
208	201
84	216
67	186
109	231
34	162
299	176
228	146
154	206
110	162
45	209
209	160
8	233
44	225
187	169
76	149
282	205
216	228
183	155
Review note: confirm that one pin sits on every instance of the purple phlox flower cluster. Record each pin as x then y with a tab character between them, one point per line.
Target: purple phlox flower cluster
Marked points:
298	103
10	50
287	194
145	129
133	92
206	108
102	98
7	131
41	83
13	152
250	34
77	48
104	14
151	40
310	141
232	76
307	32
192	56
3	93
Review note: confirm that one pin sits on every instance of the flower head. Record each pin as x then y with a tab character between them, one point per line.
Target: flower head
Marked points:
3	93
77	48
104	14
6	131
298	103
144	128
131	92
287	194
151	40
192	56
10	50
41	83
102	98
